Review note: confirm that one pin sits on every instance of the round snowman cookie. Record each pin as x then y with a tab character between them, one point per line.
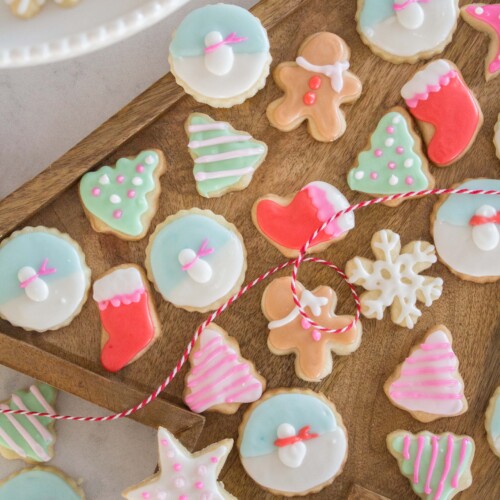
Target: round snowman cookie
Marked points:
407	30
292	442
466	231
220	55
44	279
196	259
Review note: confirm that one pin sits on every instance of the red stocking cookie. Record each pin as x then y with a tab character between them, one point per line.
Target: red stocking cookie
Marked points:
315	86
446	109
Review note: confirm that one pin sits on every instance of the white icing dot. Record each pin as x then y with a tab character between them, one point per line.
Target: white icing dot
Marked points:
114	198
369	32
479	11
389	142
359	175
136	181
408	163
149	159
395	120
104	179
393	180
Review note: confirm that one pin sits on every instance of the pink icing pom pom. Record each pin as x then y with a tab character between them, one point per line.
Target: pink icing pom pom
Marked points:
131	193
146	495
374	176
390	130
409	180
391	165
183	497
177	467
117	214
120	179
139	169
96	191
316	335
199	485
378	153
400	150
214	460
164	442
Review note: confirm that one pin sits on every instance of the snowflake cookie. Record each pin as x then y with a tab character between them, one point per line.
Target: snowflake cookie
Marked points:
393	280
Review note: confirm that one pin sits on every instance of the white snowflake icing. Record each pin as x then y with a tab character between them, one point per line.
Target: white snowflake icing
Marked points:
393	280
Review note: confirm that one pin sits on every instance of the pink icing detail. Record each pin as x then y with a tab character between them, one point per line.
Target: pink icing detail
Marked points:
177	467
432	464
435	345
463	450
131	193
447	466
120	179
409	180
198	485
34	421
430	383
378	153
209	356
126	299
183	497
203	251
11	444
425	395
424	359
146	495
400	150
230	39
253	387
319	199
229	155
96	191
316	335
117	214
406	447
390	129
42	271
199	354
374	176
418	457
422	371
214	460
444	80
139	169
401	6
39	397
391	165
164	442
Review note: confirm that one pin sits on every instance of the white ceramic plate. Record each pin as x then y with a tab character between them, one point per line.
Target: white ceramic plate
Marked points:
57	33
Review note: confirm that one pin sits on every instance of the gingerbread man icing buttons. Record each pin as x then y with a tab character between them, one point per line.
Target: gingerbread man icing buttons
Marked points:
292	442
407	30
447	112
220	55
466	232
486	18
290	333
316	84
44	279
196	259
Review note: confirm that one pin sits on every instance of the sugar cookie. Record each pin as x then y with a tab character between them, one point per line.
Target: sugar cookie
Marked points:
492	422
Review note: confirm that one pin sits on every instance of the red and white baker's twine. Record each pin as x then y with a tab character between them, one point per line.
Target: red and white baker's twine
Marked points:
296	263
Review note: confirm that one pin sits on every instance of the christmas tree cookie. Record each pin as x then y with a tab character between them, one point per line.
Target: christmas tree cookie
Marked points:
29	438
225	159
122	200
438	466
393	162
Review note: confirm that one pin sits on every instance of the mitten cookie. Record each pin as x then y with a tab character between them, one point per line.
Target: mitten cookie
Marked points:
437	466
446	109
292	442
492	422
289	222
122	200
466	232
315	86
393	280
225	159
407	30
428	384
393	162
290	333
184	475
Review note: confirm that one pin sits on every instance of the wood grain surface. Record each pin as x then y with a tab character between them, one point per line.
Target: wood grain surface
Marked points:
469	310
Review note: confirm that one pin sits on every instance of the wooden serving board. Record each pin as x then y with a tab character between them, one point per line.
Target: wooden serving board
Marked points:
69	358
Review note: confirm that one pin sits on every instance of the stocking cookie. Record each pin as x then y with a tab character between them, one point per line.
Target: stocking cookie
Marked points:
184	475
196	260
29	438
393	162
220	55
44	279
446	110
407	30
290	333
292	442
129	321
466	232
428	384
224	159
492	423
437	466
486	18
122	200
287	223
26	9
393	280
219	378
316	84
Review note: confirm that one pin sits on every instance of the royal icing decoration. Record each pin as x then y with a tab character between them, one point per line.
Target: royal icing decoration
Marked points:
27	437
437	466
122	199
428	384
449	114
29	8
225	159
128	316
292	442
44	279
487	18
393	280
196	259
219	378
496	139
290	333
40	483
466	232
394	163
315	86
220	54
288	223
407	30
184	475
492	422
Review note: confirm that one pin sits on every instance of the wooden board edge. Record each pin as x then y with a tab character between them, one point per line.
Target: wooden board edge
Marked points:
107	138
110	394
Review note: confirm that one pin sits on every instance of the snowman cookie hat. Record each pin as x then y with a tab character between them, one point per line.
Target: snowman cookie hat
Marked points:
220	55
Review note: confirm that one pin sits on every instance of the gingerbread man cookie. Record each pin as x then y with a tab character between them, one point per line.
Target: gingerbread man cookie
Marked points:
290	333
315	86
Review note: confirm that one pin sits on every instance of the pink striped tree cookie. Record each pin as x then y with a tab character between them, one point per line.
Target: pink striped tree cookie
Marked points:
219	378
428	384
